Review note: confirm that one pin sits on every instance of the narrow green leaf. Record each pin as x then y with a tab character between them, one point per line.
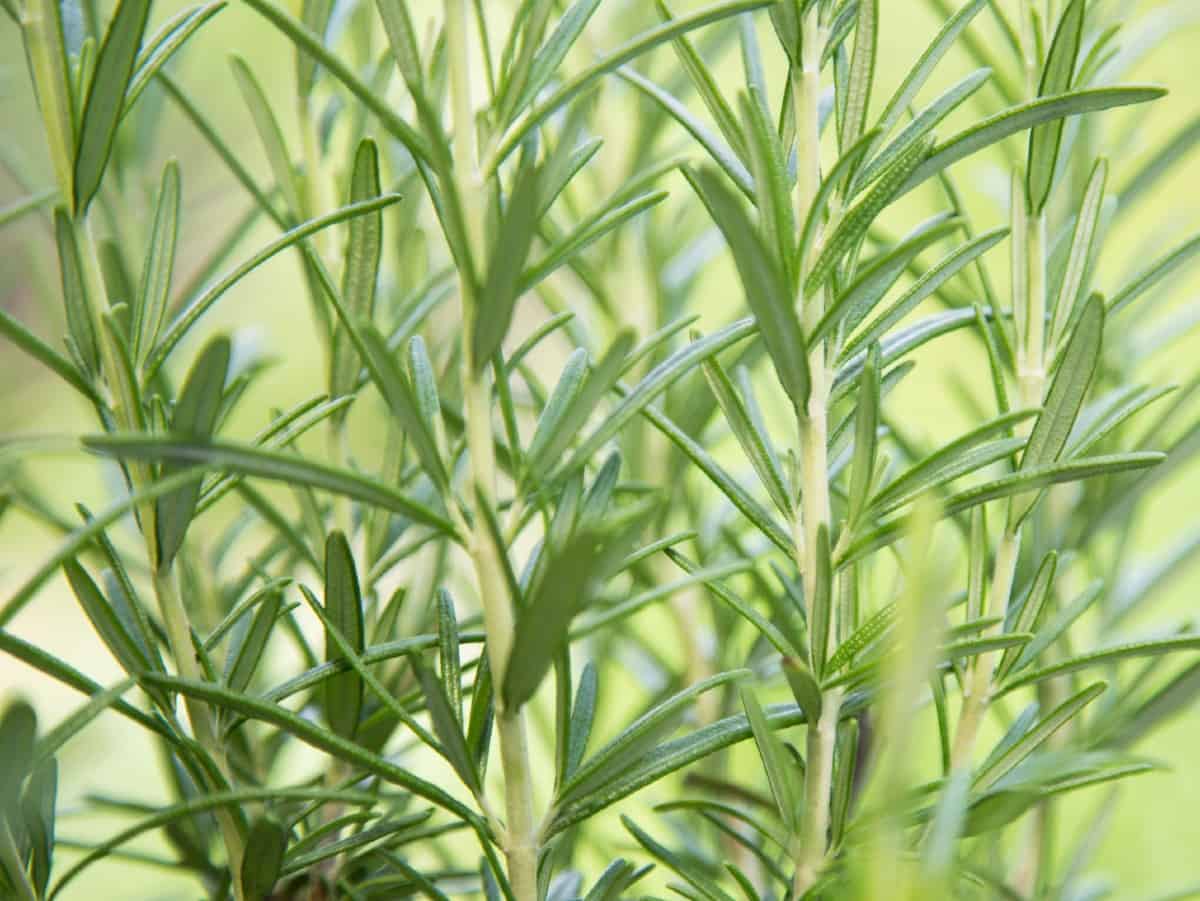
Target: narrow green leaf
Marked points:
805	688
853	226
248	647
764	285
613	761
1154	273
81	325
668	757
153	297
360	271
50	70
919	74
595	388
544	622
266	844
922	124
739	605
928	284
343	694
1058	625
655	383
754	441
307	42
699	879
270	135
315	14
163	46
501	286
1103	657
704	82
194	419
37	811
106	96
1028	617
402	39
63	672
863	637
862	468
1080	257
1065	397
1031	480
565	391
772	185
862	72
774	761
104	619
551	54
188	317
583	717
449	661
720	152
1057	75
729	486
18	733
834	180
1019	118
856	301
11	212
446	725
951	461
996	768
537	113
24	339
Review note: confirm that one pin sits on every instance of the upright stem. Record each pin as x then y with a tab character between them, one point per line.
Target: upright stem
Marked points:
1029	309
175	621
520	839
977	686
170	604
814	511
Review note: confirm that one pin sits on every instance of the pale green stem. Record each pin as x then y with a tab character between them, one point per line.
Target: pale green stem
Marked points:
175	622
1032	377
977	686
39	22
822	738
520	834
1029	309
814	511
174	615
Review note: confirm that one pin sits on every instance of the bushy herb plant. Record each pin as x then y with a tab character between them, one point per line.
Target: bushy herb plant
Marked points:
556	527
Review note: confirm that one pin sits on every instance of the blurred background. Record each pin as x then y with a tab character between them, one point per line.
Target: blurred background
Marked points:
1152	845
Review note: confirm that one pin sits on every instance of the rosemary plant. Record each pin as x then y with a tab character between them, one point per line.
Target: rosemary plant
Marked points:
682	565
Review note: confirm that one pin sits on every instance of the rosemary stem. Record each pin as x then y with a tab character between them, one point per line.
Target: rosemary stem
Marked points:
815	507
520	839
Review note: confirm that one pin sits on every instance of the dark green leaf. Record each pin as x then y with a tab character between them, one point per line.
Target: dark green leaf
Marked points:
343	694
501	286
1057	75
266	844
81	325
194	419
360	271
543	623
1019	118
262	463
106	96
764	284
247	649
